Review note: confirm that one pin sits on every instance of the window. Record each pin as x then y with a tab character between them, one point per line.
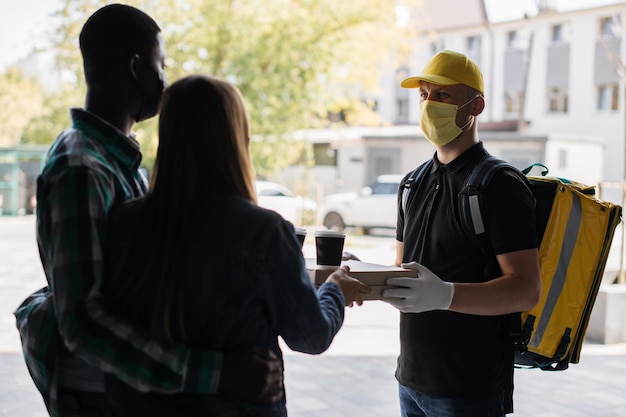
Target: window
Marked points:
513	101
557	33
609	27
402	110
402	97
608	97
324	155
560	33
557	100
511	39
473	45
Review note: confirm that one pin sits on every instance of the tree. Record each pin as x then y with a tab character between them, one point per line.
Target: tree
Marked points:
20	97
293	60
53	116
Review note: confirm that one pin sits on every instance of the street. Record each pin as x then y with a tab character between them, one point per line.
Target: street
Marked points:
353	378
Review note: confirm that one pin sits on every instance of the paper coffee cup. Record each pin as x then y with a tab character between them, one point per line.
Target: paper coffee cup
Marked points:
329	247
300	234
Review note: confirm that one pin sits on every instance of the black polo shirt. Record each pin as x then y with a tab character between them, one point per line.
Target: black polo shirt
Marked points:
444	353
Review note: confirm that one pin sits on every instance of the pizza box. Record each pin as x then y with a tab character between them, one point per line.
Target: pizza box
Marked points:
372	275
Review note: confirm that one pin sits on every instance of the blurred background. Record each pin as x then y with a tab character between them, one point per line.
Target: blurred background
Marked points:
321	82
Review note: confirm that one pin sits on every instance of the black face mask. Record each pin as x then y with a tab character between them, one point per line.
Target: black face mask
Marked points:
151	99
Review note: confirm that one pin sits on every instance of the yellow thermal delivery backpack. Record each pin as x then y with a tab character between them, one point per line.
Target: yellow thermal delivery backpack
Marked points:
572	256
575	232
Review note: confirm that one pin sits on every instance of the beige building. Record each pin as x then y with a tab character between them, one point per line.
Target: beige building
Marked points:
554	95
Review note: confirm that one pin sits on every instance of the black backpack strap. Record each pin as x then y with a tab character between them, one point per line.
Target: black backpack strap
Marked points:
472	198
413	180
472	210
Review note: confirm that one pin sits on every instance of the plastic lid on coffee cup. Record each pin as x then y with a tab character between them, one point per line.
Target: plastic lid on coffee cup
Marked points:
329	233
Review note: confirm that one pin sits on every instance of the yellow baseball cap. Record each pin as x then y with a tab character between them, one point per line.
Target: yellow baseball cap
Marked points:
449	68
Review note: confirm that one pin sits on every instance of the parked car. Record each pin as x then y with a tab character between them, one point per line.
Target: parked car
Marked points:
276	197
373	206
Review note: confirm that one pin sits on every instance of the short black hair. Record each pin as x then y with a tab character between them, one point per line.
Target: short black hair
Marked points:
111	36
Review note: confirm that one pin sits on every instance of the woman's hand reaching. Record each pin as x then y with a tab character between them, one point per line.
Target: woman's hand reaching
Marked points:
351	288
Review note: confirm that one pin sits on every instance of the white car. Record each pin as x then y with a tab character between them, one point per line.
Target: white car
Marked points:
296	209
374	206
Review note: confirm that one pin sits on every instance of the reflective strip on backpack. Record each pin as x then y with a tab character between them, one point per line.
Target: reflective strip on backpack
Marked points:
477	218
405	198
558	280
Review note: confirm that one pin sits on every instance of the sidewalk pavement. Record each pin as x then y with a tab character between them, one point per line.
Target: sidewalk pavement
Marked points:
354	378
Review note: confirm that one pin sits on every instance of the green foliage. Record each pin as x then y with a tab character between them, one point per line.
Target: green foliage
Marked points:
20	98
69	20
53	117
147	134
270	152
293	61
290	59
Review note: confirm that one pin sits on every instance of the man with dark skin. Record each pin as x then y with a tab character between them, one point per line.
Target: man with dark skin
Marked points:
69	338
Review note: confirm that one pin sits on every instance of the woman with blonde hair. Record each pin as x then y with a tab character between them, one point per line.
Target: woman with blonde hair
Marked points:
197	261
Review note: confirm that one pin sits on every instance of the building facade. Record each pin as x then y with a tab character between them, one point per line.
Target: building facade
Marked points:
554	92
557	75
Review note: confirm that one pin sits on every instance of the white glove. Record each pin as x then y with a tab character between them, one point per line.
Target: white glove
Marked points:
347	256
425	293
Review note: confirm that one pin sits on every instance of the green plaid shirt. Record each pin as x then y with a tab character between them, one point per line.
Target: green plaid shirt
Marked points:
90	168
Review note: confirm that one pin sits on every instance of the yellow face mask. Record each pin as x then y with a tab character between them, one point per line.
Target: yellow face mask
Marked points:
438	121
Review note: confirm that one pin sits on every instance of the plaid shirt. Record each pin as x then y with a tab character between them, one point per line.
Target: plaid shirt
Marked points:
90	168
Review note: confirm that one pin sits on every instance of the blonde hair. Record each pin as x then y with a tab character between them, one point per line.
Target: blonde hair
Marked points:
203	136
